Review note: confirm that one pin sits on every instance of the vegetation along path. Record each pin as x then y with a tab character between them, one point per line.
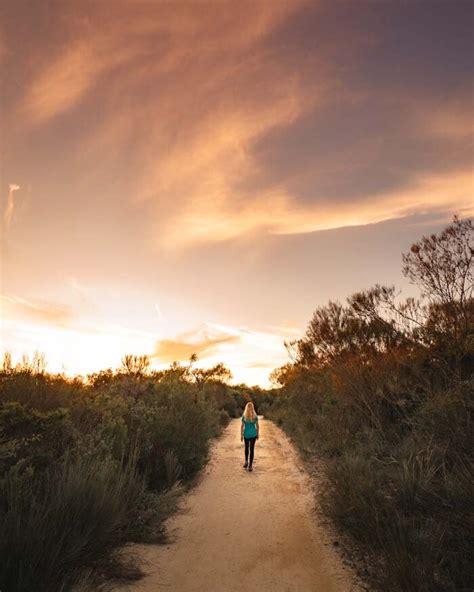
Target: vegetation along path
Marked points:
241	531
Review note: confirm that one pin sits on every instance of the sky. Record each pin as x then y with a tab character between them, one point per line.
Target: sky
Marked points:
197	177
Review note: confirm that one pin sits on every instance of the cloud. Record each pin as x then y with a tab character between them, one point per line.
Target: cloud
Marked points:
48	313
162	37
62	83
175	80
8	213
148	128
181	349
253	117
434	193
250	354
279	213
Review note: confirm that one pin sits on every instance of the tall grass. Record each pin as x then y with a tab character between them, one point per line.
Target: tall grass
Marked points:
53	525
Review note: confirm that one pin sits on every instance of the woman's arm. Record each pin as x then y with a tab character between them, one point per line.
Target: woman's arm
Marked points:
258	429
242	431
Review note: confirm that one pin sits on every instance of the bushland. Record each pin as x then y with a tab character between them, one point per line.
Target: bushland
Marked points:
381	389
89	464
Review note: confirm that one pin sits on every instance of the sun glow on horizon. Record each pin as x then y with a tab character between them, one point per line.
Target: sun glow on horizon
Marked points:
85	349
180	179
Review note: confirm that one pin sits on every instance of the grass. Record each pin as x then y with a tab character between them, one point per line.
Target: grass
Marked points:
51	526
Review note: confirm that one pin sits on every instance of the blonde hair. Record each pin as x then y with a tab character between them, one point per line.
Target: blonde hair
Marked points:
249	411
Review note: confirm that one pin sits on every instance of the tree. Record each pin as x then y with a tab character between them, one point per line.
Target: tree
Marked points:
7	366
338	332
283	375
442	267
136	366
442	319
217	373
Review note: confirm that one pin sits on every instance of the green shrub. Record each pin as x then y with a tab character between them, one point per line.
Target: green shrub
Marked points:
86	466
33	439
382	389
51	526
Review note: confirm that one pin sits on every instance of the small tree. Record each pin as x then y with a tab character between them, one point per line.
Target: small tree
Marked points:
7	366
217	373
442	267
136	366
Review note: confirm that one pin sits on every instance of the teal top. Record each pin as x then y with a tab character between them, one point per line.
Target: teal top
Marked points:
250	427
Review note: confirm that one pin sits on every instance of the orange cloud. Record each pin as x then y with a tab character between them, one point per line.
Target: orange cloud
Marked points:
250	354
62	84
195	92
197	128
279	213
163	36
149	127
47	313
179	350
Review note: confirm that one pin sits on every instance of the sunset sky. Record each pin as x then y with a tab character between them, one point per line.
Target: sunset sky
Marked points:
182	177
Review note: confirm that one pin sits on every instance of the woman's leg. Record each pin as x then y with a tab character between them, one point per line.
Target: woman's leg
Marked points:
252	446
246	440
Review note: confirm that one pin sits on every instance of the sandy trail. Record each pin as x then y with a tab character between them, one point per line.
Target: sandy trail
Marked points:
241	531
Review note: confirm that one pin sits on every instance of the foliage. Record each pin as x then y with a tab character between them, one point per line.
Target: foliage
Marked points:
88	464
383	389
69	515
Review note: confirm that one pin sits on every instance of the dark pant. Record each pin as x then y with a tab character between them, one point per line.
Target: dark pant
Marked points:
249	445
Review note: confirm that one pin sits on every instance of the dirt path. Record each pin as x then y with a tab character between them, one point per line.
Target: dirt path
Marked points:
242	531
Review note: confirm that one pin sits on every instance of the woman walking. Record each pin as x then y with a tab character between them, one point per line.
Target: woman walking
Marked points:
249	432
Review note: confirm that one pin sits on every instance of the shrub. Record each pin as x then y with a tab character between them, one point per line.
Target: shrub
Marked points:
88	465
382	389
52	525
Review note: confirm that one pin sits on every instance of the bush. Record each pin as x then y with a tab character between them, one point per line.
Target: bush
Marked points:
52	525
382	390
32	439
88	465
